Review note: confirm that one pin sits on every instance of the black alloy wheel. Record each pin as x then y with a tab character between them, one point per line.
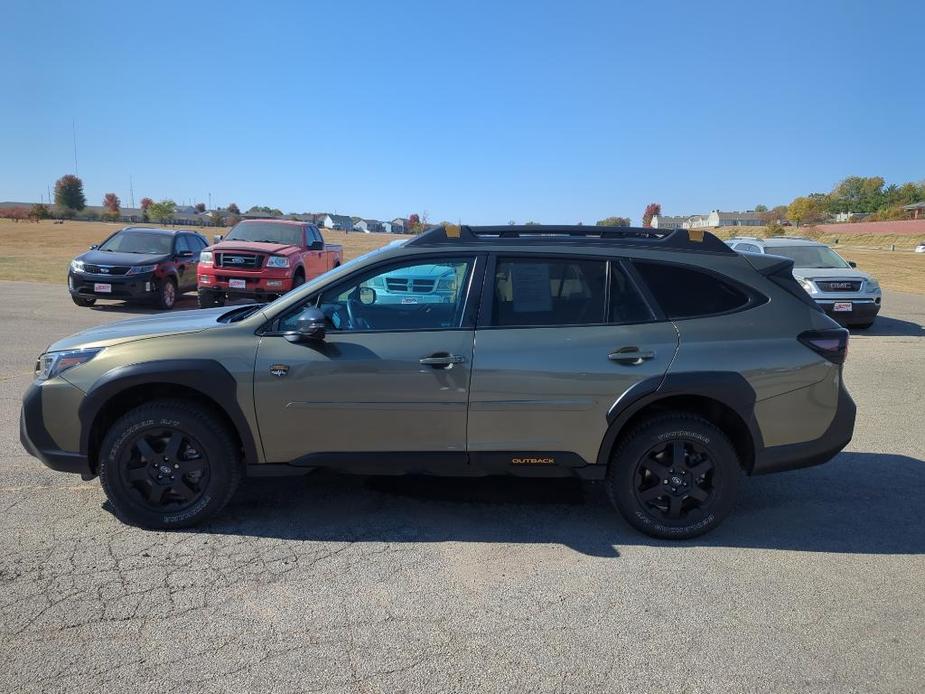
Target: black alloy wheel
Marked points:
167	468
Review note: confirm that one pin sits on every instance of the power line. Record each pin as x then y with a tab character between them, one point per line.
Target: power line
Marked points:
74	133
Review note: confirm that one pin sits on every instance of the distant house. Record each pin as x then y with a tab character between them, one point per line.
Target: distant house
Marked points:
386	227
361	225
717	219
373	225
917	209
336	221
850	217
400	225
666	222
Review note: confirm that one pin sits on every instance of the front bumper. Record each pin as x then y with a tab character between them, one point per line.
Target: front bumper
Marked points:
39	443
121	286
254	285
799	455
863	310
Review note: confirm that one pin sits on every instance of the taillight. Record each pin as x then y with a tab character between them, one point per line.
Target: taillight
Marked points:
831	344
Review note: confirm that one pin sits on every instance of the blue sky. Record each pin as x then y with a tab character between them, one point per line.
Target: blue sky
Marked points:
475	111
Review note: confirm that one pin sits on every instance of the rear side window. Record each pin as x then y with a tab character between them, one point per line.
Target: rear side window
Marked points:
548	292
684	292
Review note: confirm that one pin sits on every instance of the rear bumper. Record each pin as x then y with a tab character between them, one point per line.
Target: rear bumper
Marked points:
816	452
38	442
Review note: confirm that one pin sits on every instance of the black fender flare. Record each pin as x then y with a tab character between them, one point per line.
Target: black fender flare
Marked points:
205	376
728	388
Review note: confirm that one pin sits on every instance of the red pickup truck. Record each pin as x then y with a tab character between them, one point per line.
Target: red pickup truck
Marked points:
262	259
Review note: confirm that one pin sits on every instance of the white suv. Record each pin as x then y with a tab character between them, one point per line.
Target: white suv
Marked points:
848	295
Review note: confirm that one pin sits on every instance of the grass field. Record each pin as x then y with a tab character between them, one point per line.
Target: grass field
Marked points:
40	252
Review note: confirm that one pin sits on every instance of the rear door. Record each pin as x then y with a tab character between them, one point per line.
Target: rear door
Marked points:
559	340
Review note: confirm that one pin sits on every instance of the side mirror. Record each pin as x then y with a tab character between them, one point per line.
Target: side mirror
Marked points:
316	246
852	263
310	326
368	296
94	246
217	238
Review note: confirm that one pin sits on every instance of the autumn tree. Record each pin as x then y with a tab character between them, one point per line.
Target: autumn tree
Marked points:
69	193
145	205
614	222
112	204
234	209
414	224
653	209
39	211
217	219
162	211
809	209
200	207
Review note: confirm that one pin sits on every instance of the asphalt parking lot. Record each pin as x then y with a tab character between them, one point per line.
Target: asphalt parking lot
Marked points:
816	582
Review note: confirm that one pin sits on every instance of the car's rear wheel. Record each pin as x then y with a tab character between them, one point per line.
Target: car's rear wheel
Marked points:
81	301
167	294
169	464
675	476
209	299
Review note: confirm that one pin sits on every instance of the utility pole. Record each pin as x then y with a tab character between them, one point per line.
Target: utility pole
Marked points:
210	201
74	133
131	191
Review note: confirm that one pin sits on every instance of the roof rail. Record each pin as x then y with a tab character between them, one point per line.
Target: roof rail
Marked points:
681	239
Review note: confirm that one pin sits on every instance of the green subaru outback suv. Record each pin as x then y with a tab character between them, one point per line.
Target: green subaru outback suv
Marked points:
663	364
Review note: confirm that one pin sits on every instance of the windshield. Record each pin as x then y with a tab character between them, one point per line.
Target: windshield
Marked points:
810	256
136	241
267	232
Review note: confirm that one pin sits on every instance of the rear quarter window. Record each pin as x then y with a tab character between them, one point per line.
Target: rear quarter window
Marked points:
685	292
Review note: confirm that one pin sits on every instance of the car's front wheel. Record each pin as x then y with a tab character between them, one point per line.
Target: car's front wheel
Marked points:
169	464
674	476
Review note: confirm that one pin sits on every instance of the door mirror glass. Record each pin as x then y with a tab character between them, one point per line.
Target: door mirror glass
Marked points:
852	263
309	326
367	296
217	238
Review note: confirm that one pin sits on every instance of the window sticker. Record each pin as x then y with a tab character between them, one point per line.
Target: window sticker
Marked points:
531	285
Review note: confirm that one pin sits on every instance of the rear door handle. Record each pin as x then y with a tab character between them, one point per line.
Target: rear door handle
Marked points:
631	355
442	360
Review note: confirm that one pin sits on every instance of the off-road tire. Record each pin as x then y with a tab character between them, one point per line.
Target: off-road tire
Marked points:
630	481
81	301
120	460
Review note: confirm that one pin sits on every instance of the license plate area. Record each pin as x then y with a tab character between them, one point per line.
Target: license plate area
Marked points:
102	288
237	284
842	306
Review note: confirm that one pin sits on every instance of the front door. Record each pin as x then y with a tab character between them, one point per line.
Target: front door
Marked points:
392	374
563	339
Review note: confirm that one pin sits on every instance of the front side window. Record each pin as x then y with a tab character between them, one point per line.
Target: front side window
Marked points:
416	295
548	292
685	292
183	244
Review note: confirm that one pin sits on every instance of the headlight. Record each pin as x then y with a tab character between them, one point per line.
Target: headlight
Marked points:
205	258
277	261
51	364
77	265
141	269
872	284
808	286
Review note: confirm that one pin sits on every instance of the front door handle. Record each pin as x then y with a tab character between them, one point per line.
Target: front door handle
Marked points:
632	356
442	360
